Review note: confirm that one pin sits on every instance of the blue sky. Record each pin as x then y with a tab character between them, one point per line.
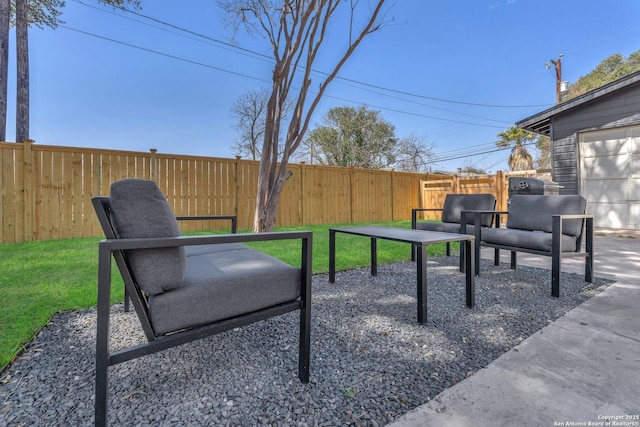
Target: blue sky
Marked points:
455	73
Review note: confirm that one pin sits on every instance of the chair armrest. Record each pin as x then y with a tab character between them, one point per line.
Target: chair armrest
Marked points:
168	242
559	219
556	229
476	217
233	218
414	214
577	216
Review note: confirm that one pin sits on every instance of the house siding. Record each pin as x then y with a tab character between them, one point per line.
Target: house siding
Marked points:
564	167
618	109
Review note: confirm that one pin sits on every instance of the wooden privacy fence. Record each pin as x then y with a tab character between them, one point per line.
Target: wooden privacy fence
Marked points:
434	188
47	190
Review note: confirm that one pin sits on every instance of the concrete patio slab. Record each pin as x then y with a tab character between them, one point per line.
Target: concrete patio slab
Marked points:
583	369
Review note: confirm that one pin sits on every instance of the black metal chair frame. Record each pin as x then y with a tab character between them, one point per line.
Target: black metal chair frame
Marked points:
414	222
556	253
113	246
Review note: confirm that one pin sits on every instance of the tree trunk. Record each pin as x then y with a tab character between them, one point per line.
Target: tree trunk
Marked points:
5	14
22	54
269	200
271	176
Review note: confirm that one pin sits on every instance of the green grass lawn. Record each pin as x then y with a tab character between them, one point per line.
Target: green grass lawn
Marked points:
40	279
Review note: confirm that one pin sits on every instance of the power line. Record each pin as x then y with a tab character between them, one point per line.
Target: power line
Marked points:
455	154
439	108
263	80
417	114
462	156
164	54
182	29
267	58
357	82
194	36
443	99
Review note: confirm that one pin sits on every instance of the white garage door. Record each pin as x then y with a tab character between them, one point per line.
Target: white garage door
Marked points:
610	176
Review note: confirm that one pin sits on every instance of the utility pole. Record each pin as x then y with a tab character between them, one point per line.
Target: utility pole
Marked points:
558	66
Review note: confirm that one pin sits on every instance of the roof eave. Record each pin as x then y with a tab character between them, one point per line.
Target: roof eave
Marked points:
541	122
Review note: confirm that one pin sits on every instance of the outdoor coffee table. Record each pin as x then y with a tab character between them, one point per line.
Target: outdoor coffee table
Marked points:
420	239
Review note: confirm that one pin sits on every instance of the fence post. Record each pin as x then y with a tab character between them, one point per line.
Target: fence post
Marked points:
303	186
27	194
392	195
351	193
236	186
502	203
153	173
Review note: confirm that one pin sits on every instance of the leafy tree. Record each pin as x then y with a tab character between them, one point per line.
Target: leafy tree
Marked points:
22	14
414	154
516	139
610	69
543	145
470	169
355	137
296	31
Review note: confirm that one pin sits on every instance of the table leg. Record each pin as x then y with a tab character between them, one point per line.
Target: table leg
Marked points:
374	256
332	256
477	231
470	272
421	266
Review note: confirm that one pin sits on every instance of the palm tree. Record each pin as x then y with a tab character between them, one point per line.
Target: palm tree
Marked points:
516	138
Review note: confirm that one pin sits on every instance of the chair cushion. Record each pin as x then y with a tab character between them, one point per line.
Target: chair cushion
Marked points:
534	212
536	240
224	284
454	204
208	249
139	210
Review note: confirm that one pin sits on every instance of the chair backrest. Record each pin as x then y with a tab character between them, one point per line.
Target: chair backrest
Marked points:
454	204
138	298
137	208
534	212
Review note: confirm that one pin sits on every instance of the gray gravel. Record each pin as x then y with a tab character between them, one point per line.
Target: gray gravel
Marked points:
371	362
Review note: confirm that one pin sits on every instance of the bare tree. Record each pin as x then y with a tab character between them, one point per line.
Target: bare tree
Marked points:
5	17
414	154
22	79
296	31
250	112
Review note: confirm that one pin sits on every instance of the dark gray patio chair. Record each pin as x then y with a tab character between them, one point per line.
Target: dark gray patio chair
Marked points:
548	225
185	288
451	216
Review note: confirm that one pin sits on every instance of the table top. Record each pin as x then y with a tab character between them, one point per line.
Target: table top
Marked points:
406	235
